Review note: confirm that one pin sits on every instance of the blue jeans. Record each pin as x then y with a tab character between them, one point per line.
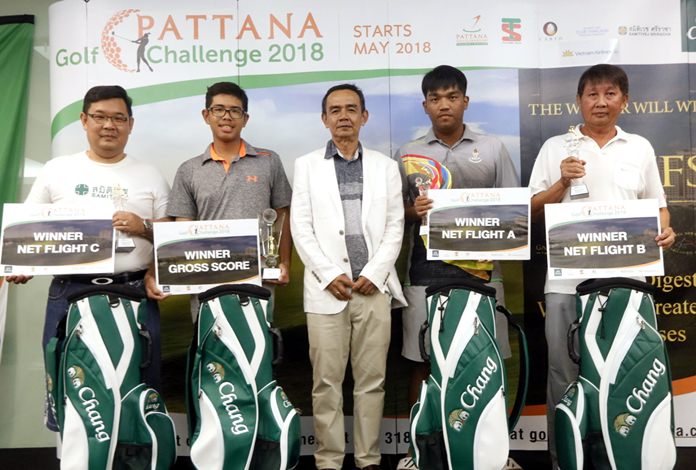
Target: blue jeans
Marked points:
57	310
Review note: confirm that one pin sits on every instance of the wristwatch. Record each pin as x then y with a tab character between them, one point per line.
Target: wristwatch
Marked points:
147	224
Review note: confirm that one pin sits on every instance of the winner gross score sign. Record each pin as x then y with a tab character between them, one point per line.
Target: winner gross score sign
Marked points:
192	257
479	224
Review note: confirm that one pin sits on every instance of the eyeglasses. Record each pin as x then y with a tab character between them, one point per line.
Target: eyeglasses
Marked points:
220	111
118	119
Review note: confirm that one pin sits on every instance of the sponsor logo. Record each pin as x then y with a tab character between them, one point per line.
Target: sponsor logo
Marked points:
510	27
81	189
228	397
599	210
645	30
8	269
592	31
252	179
216	370
475	156
472	35
550	28
688	25
208	228
473	392
457	418
640	395
89	403
152	402
623	423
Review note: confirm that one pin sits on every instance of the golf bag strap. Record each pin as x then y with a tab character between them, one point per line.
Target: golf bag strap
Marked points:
242	290
593	285
573	330
278	346
523	380
474	286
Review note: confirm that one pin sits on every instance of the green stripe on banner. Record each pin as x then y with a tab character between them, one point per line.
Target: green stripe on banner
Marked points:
170	91
16	40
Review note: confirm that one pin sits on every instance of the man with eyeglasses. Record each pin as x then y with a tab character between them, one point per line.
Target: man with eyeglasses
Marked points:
95	174
231	179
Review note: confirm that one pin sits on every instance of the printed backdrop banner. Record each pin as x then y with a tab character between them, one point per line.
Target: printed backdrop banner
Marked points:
522	60
16	39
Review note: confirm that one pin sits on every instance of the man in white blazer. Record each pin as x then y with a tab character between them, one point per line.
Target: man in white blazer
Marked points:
347	223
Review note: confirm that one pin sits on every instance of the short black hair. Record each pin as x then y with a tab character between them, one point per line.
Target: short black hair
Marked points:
344	86
443	77
226	88
106	92
604	73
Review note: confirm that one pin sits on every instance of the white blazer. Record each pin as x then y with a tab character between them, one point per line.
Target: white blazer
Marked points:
318	226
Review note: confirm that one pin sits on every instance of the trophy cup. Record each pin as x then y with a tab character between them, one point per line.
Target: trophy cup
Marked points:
578	188
270	243
423	184
124	243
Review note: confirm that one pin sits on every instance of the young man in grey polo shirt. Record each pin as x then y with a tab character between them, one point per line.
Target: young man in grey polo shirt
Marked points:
231	179
450	155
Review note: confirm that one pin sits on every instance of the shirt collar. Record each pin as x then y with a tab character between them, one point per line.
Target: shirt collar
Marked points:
332	151
468	135
245	150
620	134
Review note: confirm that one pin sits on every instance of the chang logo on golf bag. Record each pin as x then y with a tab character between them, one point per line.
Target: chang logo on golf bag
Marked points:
475	391
623	423
457	418
227	398
90	404
622	400
217	371
104	333
460	418
77	376
637	399
239	418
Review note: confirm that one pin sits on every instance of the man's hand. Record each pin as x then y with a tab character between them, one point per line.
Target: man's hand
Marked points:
667	238
18	279
422	205
341	287
284	278
151	286
364	286
128	223
571	168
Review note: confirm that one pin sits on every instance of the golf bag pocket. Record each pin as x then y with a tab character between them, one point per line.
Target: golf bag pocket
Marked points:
238	417
94	376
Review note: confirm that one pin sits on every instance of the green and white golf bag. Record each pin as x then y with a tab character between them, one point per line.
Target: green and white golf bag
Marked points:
460	420
619	412
108	418
238	417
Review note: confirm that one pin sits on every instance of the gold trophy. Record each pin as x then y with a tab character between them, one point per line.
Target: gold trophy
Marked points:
124	243
270	243
578	188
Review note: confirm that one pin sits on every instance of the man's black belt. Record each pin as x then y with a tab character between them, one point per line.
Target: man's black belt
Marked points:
104	279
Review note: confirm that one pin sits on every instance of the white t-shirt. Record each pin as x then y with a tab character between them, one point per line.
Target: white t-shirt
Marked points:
624	169
76	179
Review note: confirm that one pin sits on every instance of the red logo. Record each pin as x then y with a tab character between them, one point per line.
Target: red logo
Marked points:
252	179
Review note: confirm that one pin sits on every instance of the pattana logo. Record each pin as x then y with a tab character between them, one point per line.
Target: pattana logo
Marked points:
457	418
639	396
216	370
473	392
77	376
623	423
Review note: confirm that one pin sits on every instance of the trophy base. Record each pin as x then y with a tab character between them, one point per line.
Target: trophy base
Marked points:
125	245
270	274
579	191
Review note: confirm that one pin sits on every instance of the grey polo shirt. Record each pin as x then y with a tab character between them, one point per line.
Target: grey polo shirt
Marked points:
475	161
203	190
